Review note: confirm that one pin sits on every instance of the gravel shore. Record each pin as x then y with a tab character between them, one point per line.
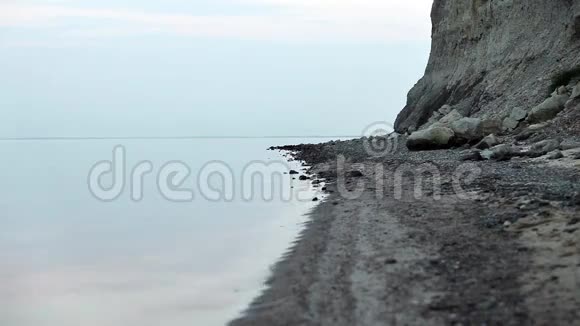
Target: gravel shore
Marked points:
482	243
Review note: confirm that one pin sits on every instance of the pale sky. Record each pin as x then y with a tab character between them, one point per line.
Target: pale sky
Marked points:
207	67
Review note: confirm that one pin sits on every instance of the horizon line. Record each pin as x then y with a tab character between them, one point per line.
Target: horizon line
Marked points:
72	138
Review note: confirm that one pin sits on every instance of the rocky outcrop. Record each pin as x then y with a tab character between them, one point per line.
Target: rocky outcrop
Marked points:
489	56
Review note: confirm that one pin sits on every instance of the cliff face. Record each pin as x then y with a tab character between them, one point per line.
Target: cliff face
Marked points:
489	56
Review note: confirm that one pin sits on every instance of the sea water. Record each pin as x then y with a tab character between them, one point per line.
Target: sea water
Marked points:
142	232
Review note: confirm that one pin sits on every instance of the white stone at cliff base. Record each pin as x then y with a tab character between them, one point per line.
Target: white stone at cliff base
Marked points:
575	92
468	129
562	90
445	109
432	138
450	117
498	152
513	120
509	124
518	114
548	109
569	144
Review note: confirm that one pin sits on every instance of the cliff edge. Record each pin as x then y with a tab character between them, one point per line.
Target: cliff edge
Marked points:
489	56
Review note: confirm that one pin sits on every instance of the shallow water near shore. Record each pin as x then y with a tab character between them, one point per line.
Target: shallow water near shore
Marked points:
69	258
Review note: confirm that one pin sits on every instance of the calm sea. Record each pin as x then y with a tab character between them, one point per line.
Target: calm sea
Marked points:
179	235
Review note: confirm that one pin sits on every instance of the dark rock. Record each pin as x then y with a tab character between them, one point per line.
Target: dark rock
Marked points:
315	199
538	138
491	126
329	174
524	135
355	174
487	142
294	172
303	178
546	146
471	156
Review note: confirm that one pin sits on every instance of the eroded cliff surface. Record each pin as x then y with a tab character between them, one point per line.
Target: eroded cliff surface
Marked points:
489	56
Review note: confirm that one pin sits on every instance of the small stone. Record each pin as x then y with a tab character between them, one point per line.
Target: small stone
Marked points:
471	156
524	135
569	144
487	142
391	261
499	152
315	199
537	126
554	155
546	146
561	90
294	172
303	178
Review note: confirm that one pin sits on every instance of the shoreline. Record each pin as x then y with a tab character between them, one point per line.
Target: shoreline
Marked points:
431	261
